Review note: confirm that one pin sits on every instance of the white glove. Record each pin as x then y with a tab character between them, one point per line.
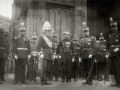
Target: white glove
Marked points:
16	57
54	56
95	61
29	56
73	59
59	56
90	56
106	56
116	49
41	56
80	60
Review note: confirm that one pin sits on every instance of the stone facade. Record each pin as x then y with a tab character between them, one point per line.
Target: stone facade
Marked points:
63	15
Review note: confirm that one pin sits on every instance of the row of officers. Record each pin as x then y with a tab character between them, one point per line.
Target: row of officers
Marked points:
88	58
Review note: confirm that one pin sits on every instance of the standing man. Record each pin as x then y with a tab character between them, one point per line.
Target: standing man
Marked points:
75	61
21	53
4	52
101	59
32	63
56	61
88	49
114	52
65	49
45	46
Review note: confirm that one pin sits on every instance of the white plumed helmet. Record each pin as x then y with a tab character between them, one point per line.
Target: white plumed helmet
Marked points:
46	26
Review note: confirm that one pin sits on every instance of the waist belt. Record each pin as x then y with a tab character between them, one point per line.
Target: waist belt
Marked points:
87	49
2	48
22	48
115	46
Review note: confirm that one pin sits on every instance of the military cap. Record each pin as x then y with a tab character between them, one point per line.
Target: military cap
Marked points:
86	29
113	23
34	36
46	26
66	32
54	35
75	39
22	27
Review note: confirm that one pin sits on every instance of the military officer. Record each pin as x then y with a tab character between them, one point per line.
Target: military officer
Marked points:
75	61
65	49
114	52
88	50
32	63
56	61
101	59
46	47
4	52
21	52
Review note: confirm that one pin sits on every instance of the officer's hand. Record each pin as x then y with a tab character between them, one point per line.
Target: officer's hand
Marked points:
59	56
90	56
106	56
95	61
41	56
16	57
54	56
73	59
80	60
116	49
29	56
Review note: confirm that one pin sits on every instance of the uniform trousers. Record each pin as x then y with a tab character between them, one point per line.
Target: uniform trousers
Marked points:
20	65
115	68
88	65
47	69
2	68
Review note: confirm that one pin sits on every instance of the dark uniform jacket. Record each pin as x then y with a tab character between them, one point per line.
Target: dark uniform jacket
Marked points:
101	51
66	49
47	51
21	47
113	42
88	46
4	52
76	51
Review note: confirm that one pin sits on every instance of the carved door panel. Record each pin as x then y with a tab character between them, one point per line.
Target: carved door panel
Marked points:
61	20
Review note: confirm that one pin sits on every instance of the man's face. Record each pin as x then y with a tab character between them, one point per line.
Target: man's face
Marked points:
48	33
114	28
66	36
34	41
22	33
86	33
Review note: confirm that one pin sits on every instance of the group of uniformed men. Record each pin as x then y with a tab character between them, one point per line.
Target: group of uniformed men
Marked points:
88	58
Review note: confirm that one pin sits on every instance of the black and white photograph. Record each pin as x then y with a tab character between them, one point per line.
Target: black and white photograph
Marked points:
59	45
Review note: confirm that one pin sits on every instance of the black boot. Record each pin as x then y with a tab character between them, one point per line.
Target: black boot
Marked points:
90	81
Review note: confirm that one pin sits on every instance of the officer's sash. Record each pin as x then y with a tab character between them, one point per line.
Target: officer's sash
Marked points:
48	41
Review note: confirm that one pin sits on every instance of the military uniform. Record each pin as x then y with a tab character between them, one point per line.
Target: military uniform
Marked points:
4	52
56	61
33	62
88	47
75	63
66	50
21	49
101	59
46	46
114	42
